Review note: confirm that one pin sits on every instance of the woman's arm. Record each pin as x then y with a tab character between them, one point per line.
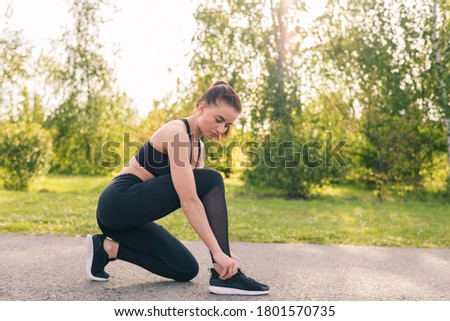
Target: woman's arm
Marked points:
183	180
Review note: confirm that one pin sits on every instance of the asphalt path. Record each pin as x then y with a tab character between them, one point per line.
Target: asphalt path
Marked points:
53	268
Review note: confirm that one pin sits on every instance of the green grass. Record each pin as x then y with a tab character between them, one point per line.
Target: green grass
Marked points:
65	205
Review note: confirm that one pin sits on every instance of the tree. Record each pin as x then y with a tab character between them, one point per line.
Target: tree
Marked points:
380	51
257	46
440	39
14	60
93	111
25	146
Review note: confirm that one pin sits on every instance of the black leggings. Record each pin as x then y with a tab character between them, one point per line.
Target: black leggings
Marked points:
128	207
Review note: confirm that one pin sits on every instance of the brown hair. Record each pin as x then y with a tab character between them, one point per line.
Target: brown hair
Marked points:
220	90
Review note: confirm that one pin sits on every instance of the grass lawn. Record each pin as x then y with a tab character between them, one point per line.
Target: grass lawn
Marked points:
65	205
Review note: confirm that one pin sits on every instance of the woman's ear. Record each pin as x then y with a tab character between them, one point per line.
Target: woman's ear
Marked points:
201	106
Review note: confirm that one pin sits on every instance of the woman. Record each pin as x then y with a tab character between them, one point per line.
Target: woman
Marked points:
168	173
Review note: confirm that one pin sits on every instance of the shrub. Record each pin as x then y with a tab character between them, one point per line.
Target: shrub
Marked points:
293	162
25	151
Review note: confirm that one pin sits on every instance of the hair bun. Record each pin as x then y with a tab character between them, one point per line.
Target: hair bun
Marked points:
220	82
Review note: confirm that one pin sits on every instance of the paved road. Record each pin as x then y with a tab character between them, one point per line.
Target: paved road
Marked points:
53	268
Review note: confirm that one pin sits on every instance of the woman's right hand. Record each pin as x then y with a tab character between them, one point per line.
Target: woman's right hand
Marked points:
228	264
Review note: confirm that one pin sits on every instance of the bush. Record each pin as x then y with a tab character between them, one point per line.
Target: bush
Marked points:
25	151
293	164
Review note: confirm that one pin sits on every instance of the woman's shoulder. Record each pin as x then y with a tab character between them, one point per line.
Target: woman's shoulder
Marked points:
168	131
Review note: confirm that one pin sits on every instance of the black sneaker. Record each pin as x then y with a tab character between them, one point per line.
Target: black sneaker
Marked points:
96	258
237	284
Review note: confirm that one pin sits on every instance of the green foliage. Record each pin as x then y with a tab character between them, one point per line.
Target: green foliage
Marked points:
93	112
14	67
25	152
375	75
163	111
255	46
381	52
294	163
25	146
225	155
80	138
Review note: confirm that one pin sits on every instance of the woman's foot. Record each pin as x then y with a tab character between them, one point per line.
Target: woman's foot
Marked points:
96	257
238	284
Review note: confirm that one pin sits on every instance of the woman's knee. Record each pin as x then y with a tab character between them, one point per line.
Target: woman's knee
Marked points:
206	179
188	273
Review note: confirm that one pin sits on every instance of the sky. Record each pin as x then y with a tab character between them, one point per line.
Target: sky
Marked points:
153	38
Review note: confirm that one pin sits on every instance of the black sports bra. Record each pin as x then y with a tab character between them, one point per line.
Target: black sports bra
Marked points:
157	163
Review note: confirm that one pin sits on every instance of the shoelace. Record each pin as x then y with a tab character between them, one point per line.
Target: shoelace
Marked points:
241	275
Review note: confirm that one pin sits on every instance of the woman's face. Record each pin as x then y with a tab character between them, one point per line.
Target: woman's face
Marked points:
214	120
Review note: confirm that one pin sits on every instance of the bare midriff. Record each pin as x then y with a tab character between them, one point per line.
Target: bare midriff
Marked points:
136	169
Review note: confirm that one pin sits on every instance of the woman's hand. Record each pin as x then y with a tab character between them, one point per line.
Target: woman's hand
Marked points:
228	265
